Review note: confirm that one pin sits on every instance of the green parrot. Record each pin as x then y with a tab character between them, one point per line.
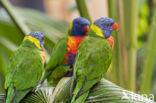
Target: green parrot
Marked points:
25	67
64	52
93	58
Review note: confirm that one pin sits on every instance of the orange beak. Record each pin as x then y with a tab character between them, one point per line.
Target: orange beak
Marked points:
86	29
115	26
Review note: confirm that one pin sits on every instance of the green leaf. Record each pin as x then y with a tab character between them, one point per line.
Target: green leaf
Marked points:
43	95
107	92
103	92
149	58
62	91
2	98
53	29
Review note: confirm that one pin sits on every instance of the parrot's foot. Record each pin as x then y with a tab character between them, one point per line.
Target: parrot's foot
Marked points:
37	88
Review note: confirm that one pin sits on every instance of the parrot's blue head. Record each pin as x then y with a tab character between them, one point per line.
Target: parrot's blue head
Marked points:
107	25
80	27
38	35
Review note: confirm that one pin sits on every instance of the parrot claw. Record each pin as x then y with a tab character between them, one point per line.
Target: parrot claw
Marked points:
37	88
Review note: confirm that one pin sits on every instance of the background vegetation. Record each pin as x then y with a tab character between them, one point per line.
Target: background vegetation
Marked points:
133	66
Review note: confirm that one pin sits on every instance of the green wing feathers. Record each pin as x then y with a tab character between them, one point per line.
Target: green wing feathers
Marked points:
57	74
15	96
93	59
56	59
57	55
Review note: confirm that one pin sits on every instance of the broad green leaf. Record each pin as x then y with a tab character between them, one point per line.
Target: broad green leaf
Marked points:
43	95
107	92
36	21
62	91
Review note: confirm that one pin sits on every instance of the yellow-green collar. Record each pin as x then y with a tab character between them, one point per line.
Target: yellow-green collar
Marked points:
34	40
70	26
97	30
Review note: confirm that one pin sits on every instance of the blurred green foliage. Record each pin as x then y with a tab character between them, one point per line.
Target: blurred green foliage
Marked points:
143	24
143	35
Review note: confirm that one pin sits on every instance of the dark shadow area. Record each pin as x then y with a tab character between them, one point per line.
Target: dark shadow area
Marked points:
34	4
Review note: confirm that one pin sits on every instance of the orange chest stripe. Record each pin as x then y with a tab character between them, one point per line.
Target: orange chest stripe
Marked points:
73	43
43	55
111	41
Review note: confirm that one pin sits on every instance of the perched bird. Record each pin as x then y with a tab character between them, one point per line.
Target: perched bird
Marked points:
25	67
93	58
64	52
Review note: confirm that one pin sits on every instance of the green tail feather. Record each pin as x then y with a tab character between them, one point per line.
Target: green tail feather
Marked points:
10	94
82	89
74	96
47	73
75	93
73	84
82	98
14	96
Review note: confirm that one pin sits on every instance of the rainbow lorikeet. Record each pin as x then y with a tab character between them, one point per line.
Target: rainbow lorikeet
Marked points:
64	52
93	58
25	67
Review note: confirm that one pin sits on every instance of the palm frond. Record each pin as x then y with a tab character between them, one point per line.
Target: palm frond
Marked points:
107	92
62	91
43	95
103	92
2	98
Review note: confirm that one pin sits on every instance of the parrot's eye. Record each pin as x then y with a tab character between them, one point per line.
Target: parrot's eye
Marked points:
78	24
107	25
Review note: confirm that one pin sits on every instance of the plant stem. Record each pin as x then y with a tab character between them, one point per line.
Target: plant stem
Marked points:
122	77
127	42
150	5
81	5
15	18
130	39
149	57
112	10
